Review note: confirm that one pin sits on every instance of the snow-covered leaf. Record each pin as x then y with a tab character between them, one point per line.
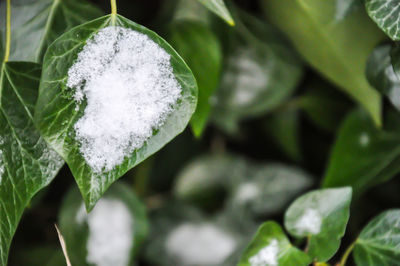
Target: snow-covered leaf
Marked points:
109	235
112	93
27	164
322	217
271	246
37	23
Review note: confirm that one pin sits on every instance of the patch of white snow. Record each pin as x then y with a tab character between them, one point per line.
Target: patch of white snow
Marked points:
267	256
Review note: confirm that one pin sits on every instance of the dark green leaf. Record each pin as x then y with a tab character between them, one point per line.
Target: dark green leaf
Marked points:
201	50
395	59
111	234
56	113
378	243
37	23
362	155
270	246
381	75
325	44
322	217
219	8
261	72
27	164
386	14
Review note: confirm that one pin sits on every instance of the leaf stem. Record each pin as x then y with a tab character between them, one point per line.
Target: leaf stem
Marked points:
346	254
113	7
8	32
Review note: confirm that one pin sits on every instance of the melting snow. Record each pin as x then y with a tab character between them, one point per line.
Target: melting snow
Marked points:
310	222
110	233
247	192
128	83
267	256
200	244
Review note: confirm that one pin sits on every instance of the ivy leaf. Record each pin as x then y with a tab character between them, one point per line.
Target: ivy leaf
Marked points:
37	23
270	246
378	243
56	113
261	72
113	232
27	164
362	155
381	75
386	15
324	43
201	50
219	8
395	60
322	217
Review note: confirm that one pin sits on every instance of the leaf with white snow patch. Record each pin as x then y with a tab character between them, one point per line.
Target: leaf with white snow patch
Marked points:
321	216
111	234
27	164
112	93
270	246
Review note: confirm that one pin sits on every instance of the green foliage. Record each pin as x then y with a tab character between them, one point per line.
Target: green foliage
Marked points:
325	44
378	243
322	217
362	155
36	24
55	112
265	103
27	163
201	50
270	241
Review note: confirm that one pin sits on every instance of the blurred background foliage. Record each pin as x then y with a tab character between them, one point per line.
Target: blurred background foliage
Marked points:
285	106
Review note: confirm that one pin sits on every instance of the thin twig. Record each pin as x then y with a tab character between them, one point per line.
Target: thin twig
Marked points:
63	246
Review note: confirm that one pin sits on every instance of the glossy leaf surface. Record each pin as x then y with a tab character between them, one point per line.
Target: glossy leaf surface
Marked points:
27	163
321	216
56	113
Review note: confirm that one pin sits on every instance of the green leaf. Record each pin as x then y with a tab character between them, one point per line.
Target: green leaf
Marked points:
27	164
261	71
113	232
339	50
219	8
381	75
201	50
321	216
395	59
56	113
378	243
37	23
386	15
270	246
362	155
